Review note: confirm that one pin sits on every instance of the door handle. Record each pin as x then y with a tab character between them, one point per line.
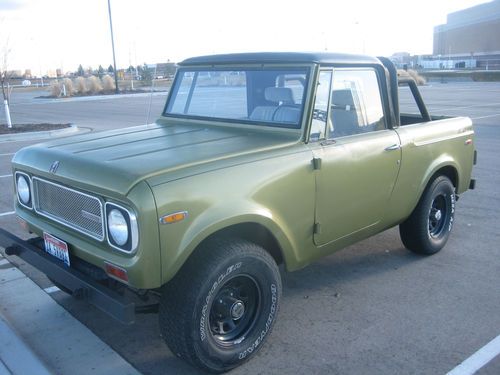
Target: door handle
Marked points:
393	147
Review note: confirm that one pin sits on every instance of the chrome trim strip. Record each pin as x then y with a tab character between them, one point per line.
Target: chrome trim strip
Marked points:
134	229
57	220
441	139
31	190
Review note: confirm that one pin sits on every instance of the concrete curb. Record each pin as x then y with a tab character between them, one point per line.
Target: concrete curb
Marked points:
73	129
38	322
91	98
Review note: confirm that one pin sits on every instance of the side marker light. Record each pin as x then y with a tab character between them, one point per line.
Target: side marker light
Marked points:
116	272
173	218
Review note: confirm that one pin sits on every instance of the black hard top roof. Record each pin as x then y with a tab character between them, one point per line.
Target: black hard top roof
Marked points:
281	57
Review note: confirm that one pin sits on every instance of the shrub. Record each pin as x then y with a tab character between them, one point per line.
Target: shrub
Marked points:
55	89
94	85
108	83
81	86
68	83
417	77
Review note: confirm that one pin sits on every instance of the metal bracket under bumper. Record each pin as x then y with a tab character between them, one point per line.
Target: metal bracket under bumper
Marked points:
79	284
472	184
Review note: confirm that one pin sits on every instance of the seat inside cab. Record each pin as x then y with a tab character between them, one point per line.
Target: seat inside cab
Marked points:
282	108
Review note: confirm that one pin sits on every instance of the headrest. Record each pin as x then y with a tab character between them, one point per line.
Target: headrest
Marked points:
279	94
342	97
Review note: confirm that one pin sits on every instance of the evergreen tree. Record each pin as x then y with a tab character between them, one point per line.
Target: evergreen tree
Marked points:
146	74
80	72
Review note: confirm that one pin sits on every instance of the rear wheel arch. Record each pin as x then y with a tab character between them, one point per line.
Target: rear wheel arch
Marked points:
447	171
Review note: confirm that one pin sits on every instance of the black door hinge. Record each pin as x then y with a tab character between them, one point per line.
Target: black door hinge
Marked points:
316	163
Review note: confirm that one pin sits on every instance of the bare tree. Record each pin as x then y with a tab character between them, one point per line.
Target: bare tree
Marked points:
4	79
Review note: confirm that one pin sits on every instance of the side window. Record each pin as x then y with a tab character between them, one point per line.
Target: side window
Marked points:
320	113
356	104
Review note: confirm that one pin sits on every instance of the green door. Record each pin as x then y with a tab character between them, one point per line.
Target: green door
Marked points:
360	158
354	183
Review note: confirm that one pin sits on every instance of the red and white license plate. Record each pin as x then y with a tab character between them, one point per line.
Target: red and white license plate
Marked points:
56	247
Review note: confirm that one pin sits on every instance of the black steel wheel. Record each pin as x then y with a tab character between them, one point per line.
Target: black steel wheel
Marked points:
439	215
428	228
221	306
234	310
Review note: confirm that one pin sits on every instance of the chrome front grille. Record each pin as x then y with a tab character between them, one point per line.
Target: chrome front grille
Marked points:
69	207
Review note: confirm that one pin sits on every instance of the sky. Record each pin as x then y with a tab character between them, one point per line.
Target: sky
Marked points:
50	34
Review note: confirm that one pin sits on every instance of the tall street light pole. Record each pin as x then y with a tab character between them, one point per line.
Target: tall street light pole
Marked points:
113	47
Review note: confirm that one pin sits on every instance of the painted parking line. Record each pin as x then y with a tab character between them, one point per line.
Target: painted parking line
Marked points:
495	105
52	289
3	262
8	154
7	213
489	116
6	175
478	359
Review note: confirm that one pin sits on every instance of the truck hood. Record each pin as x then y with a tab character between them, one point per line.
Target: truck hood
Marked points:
117	160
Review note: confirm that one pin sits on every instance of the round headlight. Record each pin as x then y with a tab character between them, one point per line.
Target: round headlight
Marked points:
23	189
117	227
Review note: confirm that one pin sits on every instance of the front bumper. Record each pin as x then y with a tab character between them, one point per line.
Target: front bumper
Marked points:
80	285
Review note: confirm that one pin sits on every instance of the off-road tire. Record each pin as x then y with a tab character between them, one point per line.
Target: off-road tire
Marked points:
200	307
428	228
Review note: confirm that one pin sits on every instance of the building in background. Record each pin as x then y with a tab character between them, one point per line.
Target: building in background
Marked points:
403	60
469	39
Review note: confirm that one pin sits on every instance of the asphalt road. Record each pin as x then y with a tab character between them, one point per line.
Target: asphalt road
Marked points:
373	308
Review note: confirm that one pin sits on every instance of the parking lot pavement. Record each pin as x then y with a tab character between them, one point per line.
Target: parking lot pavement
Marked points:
99	114
373	308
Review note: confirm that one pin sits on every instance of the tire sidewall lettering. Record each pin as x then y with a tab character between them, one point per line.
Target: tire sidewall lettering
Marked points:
452	211
269	322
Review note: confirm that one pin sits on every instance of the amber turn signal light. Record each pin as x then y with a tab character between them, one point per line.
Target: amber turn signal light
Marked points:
173	218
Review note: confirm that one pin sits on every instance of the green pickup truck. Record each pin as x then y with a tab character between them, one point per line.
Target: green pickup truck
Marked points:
258	160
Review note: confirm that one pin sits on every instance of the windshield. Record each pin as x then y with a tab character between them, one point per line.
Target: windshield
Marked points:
265	96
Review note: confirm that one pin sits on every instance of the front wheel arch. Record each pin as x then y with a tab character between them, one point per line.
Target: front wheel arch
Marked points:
275	239
255	233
